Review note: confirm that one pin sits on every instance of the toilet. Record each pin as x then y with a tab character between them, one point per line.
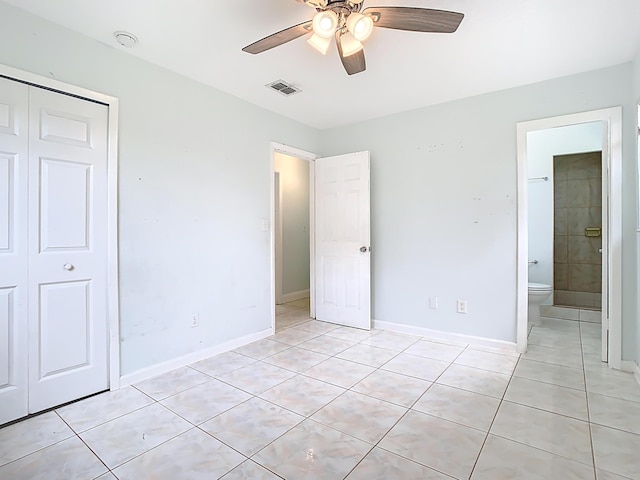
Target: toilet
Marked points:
538	293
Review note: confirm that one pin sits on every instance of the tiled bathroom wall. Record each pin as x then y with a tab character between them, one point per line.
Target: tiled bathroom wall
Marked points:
577	207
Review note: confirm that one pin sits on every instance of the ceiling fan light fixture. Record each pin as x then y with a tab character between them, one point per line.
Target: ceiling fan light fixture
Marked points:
325	23
360	26
351	24
349	44
319	43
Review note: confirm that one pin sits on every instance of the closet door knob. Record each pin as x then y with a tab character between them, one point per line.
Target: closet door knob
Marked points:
68	266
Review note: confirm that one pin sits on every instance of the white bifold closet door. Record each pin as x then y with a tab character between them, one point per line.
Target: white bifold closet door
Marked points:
53	249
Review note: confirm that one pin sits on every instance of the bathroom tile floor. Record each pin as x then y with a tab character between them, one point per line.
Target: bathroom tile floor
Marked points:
318	401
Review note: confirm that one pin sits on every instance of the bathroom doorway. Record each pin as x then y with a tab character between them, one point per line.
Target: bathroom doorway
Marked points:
538	247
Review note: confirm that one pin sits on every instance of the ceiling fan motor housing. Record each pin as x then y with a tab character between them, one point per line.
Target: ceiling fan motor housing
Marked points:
342	6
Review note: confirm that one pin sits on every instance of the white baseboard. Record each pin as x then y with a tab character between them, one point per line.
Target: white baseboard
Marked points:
458	338
190	358
632	367
627	366
293	296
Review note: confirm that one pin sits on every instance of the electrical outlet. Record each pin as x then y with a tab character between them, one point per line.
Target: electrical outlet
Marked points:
433	303
195	320
462	305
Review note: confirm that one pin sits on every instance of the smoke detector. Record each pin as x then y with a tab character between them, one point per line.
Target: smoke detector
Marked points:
283	87
126	39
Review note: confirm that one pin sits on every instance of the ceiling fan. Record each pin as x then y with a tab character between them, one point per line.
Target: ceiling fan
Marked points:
351	25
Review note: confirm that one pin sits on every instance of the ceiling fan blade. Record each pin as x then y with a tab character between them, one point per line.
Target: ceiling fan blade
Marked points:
279	38
415	19
353	63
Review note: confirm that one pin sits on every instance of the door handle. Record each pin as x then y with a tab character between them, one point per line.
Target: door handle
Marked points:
68	267
364	249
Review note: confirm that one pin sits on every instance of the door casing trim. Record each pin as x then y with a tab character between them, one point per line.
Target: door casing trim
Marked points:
612	118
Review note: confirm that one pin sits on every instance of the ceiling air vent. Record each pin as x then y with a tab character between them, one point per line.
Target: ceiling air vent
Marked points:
283	87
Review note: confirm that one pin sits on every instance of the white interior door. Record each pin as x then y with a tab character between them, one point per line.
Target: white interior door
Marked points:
343	258
68	324
14	141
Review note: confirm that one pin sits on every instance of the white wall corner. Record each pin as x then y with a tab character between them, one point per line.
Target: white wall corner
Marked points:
632	367
190	358
498	346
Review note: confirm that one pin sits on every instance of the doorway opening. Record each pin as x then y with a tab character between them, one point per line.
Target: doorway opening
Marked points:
339	237
605	178
293	221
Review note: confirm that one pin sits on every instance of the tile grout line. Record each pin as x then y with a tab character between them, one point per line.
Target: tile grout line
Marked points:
554	413
85	444
475	464
588	421
376	369
376	445
586	394
349	389
409	409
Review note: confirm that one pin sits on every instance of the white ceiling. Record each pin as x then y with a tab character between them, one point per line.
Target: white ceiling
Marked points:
500	44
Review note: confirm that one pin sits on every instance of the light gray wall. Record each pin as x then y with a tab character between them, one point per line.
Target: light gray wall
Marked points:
194	186
542	145
444	201
636	100
294	209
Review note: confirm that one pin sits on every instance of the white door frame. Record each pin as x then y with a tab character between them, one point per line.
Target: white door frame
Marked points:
309	157
113	307
612	153
277	231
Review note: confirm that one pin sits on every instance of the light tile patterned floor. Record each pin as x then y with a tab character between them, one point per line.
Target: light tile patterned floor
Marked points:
318	401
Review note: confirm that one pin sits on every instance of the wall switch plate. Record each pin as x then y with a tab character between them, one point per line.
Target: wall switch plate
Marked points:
195	320
433	303
264	224
462	306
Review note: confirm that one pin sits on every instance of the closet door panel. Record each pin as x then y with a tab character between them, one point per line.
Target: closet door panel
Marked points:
68	356
13	249
65	213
